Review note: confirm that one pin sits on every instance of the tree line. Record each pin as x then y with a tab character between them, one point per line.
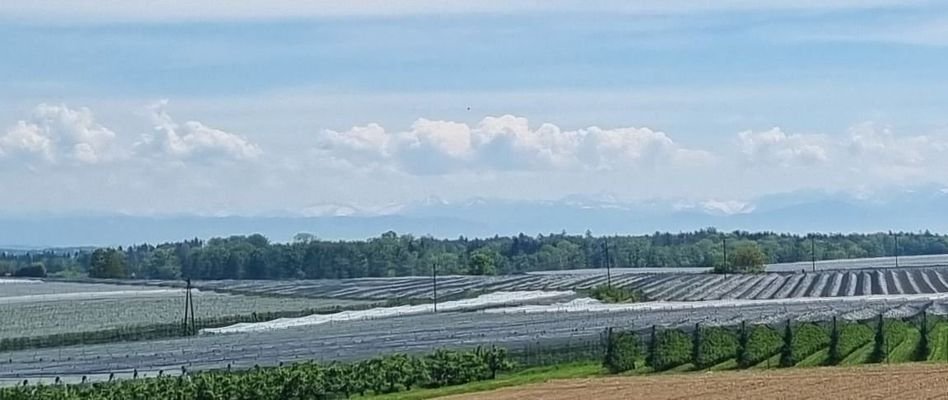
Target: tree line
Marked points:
391	254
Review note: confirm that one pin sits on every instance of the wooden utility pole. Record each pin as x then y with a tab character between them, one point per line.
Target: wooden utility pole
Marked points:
434	285
724	243
608	262
191	303
813	251
896	250
188	309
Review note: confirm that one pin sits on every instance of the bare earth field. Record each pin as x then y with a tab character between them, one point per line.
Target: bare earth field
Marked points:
907	381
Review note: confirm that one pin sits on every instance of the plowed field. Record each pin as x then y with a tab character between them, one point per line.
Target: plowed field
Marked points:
907	381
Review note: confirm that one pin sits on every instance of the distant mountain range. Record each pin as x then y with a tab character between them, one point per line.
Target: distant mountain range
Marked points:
907	210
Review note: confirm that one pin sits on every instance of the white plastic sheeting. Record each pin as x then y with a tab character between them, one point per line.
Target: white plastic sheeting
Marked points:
496	299
591	305
31	298
16	281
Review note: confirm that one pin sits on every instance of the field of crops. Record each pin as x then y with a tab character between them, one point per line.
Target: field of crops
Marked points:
34	308
655	285
849	291
357	339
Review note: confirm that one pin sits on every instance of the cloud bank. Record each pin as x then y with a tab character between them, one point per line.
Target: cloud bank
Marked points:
505	143
57	134
194	140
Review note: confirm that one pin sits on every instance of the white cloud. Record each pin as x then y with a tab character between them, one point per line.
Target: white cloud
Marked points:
881	147
196	141
870	141
57	134
506	143
774	147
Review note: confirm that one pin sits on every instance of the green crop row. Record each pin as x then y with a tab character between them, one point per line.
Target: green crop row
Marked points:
388	374
787	345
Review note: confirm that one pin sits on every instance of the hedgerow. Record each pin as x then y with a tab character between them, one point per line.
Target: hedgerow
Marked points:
716	345
852	335
762	343
672	348
808	338
623	350
306	380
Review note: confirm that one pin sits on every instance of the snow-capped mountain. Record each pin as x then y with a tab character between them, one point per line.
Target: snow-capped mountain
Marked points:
907	209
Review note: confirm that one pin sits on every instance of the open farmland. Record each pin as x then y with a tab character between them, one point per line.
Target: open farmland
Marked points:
35	308
687	298
357	339
910	381
655	285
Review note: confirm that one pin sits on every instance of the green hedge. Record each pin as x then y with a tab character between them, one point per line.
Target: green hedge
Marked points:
762	343
672	348
893	332
808	338
623	350
306	380
852	336
716	345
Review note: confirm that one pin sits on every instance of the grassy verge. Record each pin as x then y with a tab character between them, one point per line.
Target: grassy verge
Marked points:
524	377
771	362
725	365
859	356
816	359
681	368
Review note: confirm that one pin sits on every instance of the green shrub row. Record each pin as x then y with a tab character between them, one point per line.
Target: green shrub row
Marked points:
298	381
817	343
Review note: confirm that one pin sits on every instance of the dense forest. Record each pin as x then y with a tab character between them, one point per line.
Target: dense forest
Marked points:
307	257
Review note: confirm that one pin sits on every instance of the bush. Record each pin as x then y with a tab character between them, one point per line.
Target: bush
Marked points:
449	367
762	343
307	380
889	333
622	351
747	258
852	336
615	294
36	270
807	339
716	345
673	348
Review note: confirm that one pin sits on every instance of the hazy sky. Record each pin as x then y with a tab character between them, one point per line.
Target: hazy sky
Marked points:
254	106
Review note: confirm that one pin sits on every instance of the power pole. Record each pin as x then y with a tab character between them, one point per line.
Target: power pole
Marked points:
896	250
813	251
608	266
434	285
188	308
191	304
724	243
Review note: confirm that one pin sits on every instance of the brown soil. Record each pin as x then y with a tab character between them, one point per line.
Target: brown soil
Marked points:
907	381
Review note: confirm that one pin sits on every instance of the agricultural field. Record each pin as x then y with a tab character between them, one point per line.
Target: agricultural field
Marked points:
475	310
674	286
864	263
36	308
515	329
907	381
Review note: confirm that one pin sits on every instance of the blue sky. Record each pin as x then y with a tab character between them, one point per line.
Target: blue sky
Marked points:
161	107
